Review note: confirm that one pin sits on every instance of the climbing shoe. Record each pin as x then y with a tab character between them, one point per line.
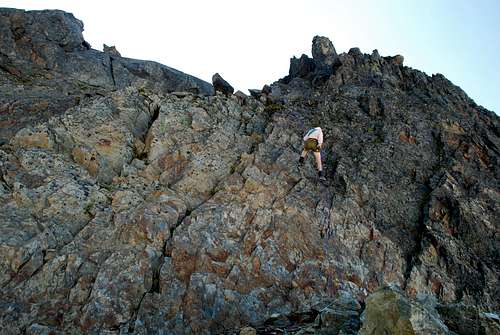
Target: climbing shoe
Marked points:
321	175
301	160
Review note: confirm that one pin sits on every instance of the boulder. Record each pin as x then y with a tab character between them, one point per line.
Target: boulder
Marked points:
110	50
388	311
242	97
356	52
375	55
255	93
323	50
320	67
220	85
266	89
398	60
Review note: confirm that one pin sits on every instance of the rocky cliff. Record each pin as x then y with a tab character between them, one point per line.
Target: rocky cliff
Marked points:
135	200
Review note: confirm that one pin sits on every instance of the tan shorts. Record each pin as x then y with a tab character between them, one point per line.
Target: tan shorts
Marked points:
311	145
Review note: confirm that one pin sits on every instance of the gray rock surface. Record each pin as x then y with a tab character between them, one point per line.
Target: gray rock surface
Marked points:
47	67
146	207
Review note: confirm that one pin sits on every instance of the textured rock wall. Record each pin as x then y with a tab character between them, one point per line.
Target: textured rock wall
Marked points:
47	67
140	210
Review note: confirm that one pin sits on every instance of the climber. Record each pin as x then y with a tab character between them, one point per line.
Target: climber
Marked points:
313	140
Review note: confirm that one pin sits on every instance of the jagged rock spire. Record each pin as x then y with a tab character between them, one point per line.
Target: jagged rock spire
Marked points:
320	66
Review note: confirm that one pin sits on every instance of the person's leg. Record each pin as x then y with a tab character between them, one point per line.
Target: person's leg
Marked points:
317	155
321	174
302	156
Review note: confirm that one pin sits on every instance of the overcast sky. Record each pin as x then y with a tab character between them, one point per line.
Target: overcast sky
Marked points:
250	42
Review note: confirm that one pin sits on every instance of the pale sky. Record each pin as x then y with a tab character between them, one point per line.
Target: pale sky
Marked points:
250	42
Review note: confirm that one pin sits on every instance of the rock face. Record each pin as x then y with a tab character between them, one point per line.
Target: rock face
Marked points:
47	67
127	208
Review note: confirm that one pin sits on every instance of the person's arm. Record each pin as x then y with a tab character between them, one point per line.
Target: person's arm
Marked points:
320	138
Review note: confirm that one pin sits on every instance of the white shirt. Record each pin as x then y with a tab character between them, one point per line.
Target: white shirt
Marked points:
315	133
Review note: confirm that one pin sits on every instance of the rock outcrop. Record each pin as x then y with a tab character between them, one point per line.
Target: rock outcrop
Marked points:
48	67
317	69
135	200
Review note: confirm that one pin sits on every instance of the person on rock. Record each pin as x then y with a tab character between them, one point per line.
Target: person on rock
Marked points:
313	140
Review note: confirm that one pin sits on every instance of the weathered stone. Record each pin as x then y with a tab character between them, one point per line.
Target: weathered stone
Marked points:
221	85
339	315
118	289
242	97
266	89
318	69
355	53
248	331
389	312
323	50
468	319
111	50
47	67
398	60
133	210
255	93
301	67
375	55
